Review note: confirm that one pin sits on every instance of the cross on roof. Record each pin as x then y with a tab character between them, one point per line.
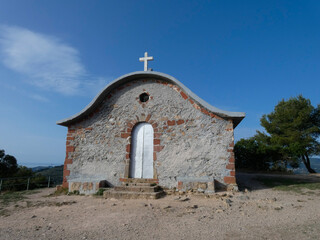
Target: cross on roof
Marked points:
145	59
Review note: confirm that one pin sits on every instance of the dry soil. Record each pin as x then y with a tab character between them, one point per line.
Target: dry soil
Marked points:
257	213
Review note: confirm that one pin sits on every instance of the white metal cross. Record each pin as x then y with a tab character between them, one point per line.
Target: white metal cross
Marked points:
145	59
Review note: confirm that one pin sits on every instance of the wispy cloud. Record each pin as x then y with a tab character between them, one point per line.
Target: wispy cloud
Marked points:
46	61
39	98
23	92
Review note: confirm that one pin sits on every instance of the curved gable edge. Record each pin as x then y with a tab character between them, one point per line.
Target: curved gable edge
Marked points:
236	117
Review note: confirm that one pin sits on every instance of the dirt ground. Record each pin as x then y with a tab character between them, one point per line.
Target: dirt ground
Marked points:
257	213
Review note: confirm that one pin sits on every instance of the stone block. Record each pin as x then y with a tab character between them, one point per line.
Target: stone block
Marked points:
85	186
211	187
74	186
202	186
196	184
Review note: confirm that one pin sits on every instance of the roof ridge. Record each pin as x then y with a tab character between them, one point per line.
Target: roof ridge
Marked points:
235	116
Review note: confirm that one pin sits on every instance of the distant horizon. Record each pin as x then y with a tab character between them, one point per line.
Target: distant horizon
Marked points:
32	165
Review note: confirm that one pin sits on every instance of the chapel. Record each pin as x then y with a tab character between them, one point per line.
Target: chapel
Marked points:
147	126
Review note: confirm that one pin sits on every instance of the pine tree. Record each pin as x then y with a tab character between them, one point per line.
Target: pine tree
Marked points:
294	128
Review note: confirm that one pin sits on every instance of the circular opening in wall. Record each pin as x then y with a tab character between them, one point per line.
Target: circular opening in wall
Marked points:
144	97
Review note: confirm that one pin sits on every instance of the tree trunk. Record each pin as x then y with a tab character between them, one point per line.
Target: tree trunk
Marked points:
306	161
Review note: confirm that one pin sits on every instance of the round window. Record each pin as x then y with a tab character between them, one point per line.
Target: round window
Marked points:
144	97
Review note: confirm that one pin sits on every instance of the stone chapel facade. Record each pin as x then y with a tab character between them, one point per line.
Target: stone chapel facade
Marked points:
148	125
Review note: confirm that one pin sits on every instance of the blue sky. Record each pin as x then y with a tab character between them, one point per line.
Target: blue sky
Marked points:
55	56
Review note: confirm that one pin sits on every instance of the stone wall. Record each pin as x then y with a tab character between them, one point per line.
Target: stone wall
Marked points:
189	141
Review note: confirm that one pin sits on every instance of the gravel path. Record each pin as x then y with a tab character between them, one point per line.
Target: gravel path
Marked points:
258	214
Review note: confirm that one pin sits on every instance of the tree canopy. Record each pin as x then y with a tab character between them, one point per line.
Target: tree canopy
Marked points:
291	134
8	164
294	128
10	168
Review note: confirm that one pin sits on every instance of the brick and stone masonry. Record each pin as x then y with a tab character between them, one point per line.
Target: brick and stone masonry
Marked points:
192	142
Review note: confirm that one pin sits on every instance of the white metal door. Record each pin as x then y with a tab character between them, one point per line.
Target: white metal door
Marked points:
142	151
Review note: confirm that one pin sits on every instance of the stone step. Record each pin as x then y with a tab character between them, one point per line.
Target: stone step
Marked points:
139	180
129	184
131	195
137	188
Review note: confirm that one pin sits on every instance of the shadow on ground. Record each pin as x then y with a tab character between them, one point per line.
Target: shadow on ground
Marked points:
284	182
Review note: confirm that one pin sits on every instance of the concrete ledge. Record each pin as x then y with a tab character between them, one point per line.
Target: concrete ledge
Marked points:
86	187
195	179
201	185
139	180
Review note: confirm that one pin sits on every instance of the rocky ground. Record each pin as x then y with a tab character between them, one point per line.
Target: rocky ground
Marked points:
256	212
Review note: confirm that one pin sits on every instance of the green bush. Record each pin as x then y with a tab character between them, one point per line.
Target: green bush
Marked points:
100	192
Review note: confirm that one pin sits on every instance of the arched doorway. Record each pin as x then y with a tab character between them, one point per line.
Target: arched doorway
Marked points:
141	162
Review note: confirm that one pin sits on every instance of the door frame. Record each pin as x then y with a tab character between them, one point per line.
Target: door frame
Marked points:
142	147
125	135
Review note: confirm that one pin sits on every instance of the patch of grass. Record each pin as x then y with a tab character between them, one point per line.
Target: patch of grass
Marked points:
299	187
4	212
310	192
75	192
59	191
48	203
100	192
9	197
30	192
289	184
